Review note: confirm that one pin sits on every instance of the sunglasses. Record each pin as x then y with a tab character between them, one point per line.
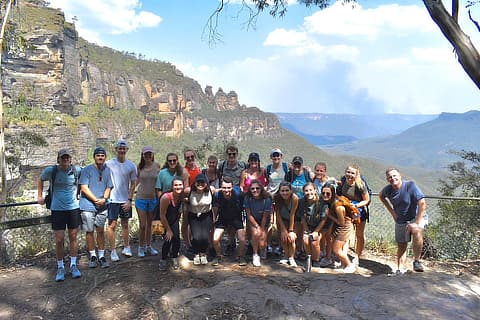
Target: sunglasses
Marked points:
254	189
327	193
231	154
65	157
172	161
190	157
275	155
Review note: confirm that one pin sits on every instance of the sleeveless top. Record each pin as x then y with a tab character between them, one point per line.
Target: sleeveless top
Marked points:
173	210
262	179
200	202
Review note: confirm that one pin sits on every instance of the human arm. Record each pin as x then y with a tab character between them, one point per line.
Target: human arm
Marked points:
243	177
40	198
422	206
388	205
164	203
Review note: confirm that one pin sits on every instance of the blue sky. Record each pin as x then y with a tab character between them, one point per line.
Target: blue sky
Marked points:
379	56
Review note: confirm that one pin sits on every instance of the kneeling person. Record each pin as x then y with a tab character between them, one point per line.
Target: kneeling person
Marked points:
228	213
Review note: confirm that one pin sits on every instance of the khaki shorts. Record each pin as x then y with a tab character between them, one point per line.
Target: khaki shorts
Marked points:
90	220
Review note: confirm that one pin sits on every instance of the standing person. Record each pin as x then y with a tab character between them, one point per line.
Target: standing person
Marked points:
354	187
65	209
200	217
320	176
406	203
253	172
342	228
95	185
286	206
146	200
258	205
232	167
228	213
191	166
124	176
170	214
212	171
276	171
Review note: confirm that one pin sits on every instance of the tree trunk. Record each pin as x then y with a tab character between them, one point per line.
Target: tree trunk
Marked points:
468	55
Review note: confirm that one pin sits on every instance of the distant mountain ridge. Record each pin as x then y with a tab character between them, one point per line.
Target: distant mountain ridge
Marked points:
427	145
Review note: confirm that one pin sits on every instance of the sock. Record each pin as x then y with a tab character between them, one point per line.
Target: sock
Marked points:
92	253
60	264
101	253
73	261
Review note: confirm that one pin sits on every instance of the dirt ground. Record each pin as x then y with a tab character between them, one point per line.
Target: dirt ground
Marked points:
134	288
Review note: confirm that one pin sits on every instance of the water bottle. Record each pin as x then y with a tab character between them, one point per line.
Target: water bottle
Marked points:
309	263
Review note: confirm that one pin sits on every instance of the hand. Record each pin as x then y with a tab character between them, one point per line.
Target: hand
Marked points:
127	205
168	235
292	236
41	200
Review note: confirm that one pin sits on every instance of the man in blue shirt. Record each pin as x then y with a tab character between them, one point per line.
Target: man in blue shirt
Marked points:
95	184
65	210
406	203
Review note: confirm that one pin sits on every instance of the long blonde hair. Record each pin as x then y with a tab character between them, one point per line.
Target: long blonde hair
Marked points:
358	177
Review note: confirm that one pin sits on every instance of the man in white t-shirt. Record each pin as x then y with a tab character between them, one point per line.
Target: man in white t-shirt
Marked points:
124	175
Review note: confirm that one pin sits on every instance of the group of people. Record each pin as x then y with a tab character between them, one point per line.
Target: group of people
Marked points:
312	213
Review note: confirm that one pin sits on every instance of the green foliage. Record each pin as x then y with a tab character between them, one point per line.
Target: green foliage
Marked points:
23	114
456	233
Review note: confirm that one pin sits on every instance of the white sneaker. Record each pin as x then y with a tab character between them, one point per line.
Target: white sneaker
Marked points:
283	261
350	269
203	260
256	260
196	260
356	260
291	262
114	256
127	251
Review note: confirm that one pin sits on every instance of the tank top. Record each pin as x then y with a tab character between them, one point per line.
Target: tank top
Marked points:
200	202
262	179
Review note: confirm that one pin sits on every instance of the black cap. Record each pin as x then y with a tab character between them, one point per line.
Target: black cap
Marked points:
297	159
254	156
99	150
201	178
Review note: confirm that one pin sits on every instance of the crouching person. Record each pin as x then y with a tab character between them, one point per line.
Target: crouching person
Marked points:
227	210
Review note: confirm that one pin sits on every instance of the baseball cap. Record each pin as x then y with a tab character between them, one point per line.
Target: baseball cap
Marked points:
121	143
276	150
254	156
99	150
63	152
297	159
201	178
147	149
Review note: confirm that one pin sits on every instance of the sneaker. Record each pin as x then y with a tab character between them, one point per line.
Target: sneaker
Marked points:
316	264
242	261
278	251
75	272
356	261
325	262
203	260
141	252
263	254
103	262
337	265
417	266
196	260
60	274
114	256
256	260
175	264
151	251
127	252
93	262
283	261
399	272
163	265
351	268
216	261
291	262
269	249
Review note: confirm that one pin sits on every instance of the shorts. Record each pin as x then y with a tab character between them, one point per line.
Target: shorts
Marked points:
90	220
66	218
237	224
401	233
115	211
147	205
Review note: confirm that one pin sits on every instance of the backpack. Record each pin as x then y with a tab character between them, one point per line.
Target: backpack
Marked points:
289	176
351	211
270	168
358	194
241	164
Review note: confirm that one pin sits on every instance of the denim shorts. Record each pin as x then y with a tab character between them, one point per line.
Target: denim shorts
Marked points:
115	211
147	205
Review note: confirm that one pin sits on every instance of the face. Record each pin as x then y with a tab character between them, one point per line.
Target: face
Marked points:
253	163
190	156
227	189
256	190
350	174
327	194
231	154
297	166
100	159
201	185
177	186
309	192
320	171
394	178
285	192
212	164
121	151
276	157
65	160
172	161
148	156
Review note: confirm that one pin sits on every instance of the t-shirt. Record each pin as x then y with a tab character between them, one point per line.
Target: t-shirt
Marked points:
147	178
164	180
229	209
351	192
404	200
64	187
297	185
275	178
193	173
97	181
123	175
314	213
233	173
258	207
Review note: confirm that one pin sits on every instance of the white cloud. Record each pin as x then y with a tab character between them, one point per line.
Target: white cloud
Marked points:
285	38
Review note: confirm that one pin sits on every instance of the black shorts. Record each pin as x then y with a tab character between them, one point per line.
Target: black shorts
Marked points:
67	218
237	224
115	211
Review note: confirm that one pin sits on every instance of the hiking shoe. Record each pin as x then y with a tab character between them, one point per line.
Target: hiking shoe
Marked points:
60	276
325	262
75	272
291	262
103	262
351	268
127	252
163	265
196	260
316	264
114	256
93	262
417	266
175	264
151	251
242	261
256	260
216	261
141	252
203	260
